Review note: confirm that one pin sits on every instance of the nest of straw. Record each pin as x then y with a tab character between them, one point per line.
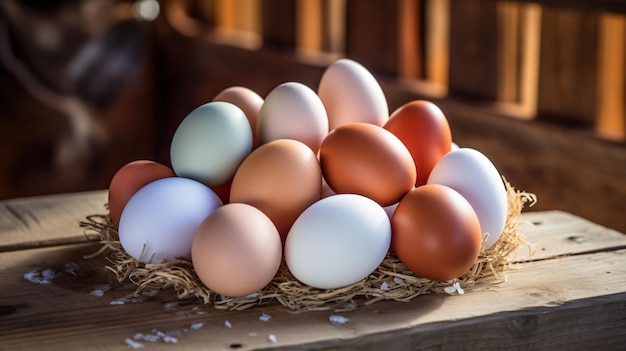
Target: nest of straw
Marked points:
392	280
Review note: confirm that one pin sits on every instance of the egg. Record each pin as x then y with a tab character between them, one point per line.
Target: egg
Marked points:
210	143
436	233
472	174
424	130
160	220
236	250
280	178
292	111
338	241
351	94
248	101
130	178
366	159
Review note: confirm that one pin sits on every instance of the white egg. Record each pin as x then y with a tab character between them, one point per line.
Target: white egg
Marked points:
472	174
160	220
210	143
292	111
350	93
338	241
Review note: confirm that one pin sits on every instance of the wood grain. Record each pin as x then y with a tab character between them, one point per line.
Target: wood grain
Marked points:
47	220
576	300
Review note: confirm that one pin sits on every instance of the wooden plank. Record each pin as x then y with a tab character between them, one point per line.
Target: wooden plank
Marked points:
558	233
567	71
542	304
473	49
47	220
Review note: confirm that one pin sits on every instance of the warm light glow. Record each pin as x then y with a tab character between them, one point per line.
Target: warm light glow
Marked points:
146	10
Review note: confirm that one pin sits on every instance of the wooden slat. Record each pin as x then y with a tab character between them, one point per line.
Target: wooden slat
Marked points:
410	62
47	220
569	302
611	111
509	14
567	73
436	46
334	26
309	25
473	49
529	65
372	34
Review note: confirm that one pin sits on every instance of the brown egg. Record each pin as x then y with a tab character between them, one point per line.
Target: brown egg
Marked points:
281	178
424	130
366	159
435	232
130	178
247	100
236	250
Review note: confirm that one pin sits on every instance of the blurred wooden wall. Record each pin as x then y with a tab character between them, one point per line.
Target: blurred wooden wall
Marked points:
538	86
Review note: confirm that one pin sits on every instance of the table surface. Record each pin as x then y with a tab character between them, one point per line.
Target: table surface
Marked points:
571	294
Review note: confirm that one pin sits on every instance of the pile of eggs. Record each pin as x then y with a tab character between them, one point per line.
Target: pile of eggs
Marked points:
327	180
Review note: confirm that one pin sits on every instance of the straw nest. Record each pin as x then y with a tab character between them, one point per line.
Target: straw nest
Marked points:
392	280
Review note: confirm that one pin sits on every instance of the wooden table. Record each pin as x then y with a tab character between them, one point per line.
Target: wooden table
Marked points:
570	295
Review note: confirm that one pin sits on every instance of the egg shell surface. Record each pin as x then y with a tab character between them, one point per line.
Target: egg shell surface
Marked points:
129	179
338	241
236	250
248	101
210	143
351	94
366	159
160	220
436	233
424	130
281	178
472	174
292	111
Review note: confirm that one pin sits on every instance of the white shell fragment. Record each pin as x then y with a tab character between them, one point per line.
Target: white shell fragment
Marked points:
198	325
398	280
272	338
265	317
454	288
337	319
133	344
227	324
40	277
97	293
